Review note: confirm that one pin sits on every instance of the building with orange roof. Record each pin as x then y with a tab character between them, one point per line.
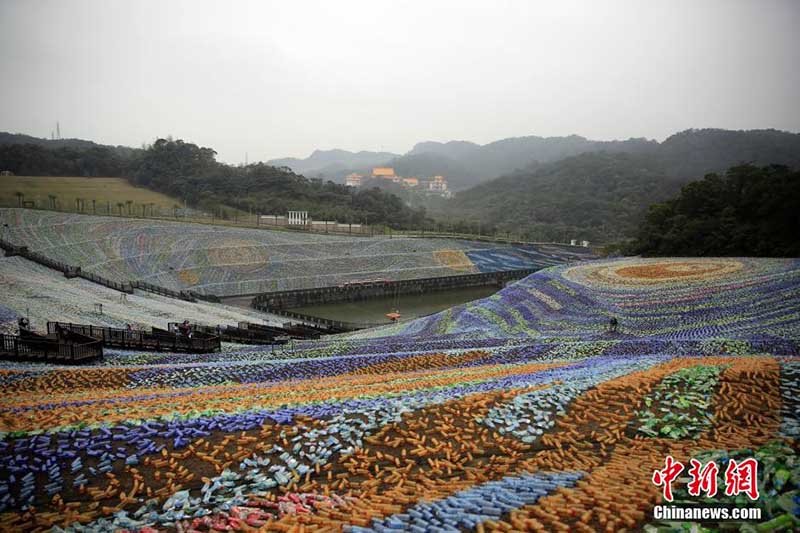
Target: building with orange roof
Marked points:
383	172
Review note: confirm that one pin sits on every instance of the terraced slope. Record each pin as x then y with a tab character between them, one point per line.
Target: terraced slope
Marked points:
472	420
31	290
226	261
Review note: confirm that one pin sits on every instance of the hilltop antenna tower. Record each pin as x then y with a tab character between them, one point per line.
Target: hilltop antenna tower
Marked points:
58	131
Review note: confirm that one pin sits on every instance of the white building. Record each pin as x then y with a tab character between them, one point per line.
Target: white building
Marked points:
438	185
353	180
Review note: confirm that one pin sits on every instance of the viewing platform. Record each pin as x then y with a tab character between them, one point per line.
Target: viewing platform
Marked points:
67	348
156	340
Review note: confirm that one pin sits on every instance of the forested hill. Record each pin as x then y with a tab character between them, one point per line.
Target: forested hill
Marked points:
690	153
333	163
467	164
76	145
554	189
187	171
602	196
192	173
463	163
598	196
748	211
31	156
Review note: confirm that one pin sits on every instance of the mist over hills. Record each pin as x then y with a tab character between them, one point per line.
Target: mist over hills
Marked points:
549	188
7	138
690	154
333	164
602	195
559	188
481	163
464	163
598	196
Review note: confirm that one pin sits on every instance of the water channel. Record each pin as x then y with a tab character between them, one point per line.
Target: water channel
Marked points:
374	311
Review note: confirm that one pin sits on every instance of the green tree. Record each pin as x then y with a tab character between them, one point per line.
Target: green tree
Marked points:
192	173
750	211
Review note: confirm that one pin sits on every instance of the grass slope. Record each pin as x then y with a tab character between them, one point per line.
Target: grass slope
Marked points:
102	190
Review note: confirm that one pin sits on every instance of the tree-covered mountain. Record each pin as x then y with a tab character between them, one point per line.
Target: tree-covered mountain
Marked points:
72	160
688	154
192	173
430	164
553	188
187	171
463	163
475	164
333	164
748	211
692	154
79	145
602	196
453	149
597	196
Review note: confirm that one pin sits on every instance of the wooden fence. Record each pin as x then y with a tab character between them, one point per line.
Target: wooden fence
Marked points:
155	340
249	335
330	326
163	291
67	349
273	301
69	271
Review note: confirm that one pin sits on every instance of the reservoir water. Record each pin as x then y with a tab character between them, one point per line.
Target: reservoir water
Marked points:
409	305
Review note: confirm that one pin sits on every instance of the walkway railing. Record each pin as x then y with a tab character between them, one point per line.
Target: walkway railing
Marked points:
163	291
155	340
332	326
349	292
249	335
69	271
32	347
253	220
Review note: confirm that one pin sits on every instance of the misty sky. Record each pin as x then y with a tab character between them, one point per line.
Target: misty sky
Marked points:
282	78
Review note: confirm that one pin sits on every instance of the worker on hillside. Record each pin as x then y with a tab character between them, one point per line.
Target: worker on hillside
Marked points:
613	324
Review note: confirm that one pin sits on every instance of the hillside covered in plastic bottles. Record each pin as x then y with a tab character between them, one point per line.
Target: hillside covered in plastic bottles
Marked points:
521	411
